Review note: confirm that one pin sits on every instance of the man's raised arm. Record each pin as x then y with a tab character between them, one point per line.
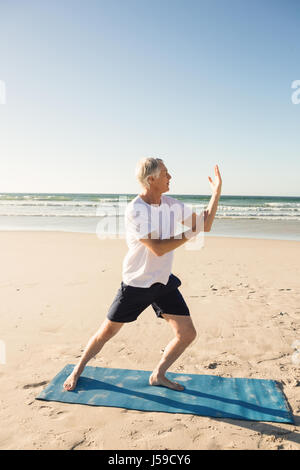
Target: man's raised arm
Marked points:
210	212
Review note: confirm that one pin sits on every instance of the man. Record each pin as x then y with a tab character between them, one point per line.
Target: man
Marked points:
150	221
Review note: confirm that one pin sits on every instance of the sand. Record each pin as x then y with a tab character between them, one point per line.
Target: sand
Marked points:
56	288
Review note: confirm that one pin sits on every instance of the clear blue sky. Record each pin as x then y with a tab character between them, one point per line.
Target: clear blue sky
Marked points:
93	86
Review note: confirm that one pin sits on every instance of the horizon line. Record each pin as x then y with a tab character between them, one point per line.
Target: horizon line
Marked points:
171	194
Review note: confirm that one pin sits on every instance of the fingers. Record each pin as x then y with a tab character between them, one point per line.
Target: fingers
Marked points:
217	172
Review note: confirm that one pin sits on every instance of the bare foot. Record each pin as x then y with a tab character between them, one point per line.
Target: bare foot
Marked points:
161	380
71	381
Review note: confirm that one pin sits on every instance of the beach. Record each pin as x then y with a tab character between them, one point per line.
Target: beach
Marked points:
56	288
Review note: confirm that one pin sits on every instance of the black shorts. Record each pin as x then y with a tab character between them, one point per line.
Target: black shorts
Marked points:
131	301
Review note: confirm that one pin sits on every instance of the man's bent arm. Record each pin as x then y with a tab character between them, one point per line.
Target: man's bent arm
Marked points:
161	247
209	214
211	210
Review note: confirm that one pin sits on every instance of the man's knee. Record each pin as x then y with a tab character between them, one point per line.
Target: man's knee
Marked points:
187	334
108	329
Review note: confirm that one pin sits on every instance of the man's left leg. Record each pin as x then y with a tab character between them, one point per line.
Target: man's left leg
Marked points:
185	334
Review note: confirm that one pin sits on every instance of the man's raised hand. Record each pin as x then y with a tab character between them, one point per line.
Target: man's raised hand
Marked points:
217	184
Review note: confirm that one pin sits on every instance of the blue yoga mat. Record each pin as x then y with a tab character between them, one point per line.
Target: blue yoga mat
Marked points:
206	395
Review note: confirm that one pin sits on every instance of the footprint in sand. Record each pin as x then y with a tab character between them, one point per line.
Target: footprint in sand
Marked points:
53	413
45	410
35	385
58	415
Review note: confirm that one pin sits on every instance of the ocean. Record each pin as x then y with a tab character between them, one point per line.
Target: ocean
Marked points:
268	217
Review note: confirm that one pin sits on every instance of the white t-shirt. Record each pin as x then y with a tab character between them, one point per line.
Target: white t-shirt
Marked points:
142	268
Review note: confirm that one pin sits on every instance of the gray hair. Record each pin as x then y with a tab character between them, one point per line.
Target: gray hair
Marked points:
147	167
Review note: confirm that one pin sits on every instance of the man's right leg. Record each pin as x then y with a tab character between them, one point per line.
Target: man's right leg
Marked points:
107	330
